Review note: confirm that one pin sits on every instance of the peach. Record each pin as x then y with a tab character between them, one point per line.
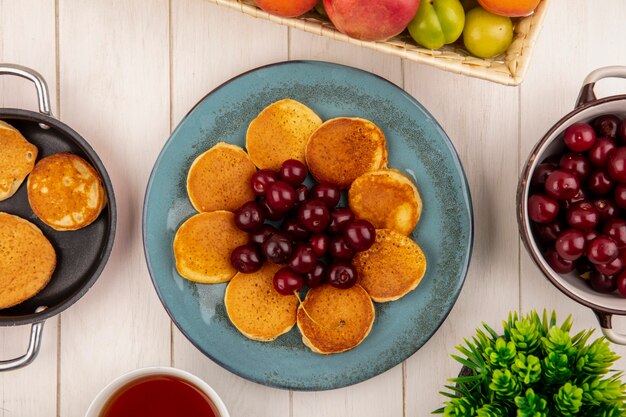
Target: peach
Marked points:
510	8
286	8
371	20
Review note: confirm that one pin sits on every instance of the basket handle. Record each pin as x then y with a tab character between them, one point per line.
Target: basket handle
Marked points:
607	328
33	348
586	92
43	97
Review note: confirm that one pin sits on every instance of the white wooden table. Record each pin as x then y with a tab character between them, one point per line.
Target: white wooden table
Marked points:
124	72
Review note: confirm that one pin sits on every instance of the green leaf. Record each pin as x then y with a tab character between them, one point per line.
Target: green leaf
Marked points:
596	358
531	405
599	391
527	368
460	407
568	400
504	384
502	354
555	369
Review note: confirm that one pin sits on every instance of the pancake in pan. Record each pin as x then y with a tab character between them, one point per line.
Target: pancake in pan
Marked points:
65	192
387	199
219	179
27	260
343	149
256	309
391	268
203	244
17	159
280	132
334	320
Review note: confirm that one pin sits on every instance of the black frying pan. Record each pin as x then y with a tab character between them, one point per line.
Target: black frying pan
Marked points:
81	254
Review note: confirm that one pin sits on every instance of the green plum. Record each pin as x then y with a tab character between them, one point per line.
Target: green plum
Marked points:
487	35
437	23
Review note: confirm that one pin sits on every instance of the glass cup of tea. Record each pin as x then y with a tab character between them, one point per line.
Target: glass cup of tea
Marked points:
157	391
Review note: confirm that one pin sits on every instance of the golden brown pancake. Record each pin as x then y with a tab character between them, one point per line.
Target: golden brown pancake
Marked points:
337	319
65	192
343	149
387	199
256	309
17	159
27	260
280	132
219	179
203	244
391	268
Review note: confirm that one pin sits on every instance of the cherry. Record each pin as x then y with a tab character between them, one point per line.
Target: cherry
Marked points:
600	182
562	185
270	213
328	193
580	196
261	180
606	209
602	250
606	125
579	137
601	151
302	193
359	235
619	196
583	216
612	268
293	172
616	230
286	282
621	131
303	259
538	179
292	228
570	245
249	217
342	275
260	235
541	209
316	276
602	283
576	164
550	231
313	215
558	264
591	235
280	196
246	258
621	283
617	165
339	249
277	248
339	219
320	243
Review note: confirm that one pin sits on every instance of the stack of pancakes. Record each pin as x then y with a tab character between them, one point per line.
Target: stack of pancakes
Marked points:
350	153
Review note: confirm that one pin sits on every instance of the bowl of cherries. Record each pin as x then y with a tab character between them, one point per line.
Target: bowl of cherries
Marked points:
571	202
302	228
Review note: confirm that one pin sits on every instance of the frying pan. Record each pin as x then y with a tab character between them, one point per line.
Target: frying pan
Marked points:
81	254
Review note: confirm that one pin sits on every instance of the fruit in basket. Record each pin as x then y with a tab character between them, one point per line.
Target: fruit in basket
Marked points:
487	35
511	8
286	8
371	20
437	23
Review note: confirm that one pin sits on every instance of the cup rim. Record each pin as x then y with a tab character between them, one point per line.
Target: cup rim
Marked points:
107	391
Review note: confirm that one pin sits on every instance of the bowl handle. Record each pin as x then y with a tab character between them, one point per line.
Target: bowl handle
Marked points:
607	328
33	348
586	92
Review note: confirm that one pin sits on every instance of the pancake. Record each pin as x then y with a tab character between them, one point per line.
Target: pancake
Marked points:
27	260
219	179
391	268
256	309
65	192
203	244
343	318
280	132
387	199
17	160
343	149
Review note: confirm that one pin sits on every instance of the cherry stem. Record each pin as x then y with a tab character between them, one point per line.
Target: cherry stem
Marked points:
341	322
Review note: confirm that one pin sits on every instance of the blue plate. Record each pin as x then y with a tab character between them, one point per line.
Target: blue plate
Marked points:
417	145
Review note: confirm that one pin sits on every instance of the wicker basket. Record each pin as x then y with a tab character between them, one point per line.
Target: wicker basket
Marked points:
507	69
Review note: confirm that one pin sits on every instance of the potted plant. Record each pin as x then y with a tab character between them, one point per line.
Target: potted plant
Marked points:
536	369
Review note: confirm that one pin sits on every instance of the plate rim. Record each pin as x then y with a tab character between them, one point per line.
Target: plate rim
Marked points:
364	377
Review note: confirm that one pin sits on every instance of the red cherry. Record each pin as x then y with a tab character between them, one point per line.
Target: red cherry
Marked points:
616	230
600	182
619	196
570	245
602	283
360	235
293	172
550	231
583	216
601	151
328	193
342	275
292	228
320	243
315	277
612	268
606	209
562	185
602	250
542	209
270	213
303	259
286	282
575	163
280	196
558	264
617	165
313	215
579	137
621	131
260	235
621	284
249	217
340	218
538	179
606	125
339	249
302	193
261	180
246	259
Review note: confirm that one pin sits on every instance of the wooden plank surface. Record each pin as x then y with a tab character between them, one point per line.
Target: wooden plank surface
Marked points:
28	391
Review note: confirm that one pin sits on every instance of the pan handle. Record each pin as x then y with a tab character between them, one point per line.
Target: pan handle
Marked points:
586	92
607	328
40	84
33	348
